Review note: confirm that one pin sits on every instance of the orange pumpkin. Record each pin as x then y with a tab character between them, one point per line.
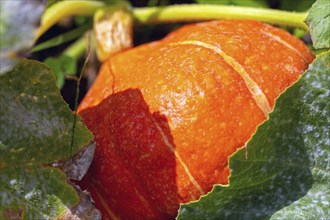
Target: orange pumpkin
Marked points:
167	115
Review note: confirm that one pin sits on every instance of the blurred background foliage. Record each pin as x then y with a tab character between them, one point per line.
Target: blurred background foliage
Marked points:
53	46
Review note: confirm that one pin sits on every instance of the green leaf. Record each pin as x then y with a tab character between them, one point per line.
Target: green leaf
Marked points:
284	173
296	5
35	130
318	20
19	21
61	39
61	66
35	122
43	192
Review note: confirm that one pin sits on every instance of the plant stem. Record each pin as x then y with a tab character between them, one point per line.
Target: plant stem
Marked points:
194	12
171	13
77	49
64	9
78	91
174	13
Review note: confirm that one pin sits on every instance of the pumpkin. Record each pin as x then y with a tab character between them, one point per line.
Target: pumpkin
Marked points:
167	115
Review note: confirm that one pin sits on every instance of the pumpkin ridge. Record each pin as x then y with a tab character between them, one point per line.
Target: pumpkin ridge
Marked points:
257	94
284	43
113	86
177	156
104	203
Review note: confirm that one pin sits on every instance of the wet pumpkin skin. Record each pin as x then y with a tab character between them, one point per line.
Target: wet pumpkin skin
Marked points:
167	115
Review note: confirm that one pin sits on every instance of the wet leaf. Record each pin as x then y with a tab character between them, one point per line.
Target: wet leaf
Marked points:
318	20
85	210
41	193
35	130
284	172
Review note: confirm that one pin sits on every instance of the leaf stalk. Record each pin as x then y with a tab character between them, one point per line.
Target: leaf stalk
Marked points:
175	13
77	49
194	12
63	9
166	14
